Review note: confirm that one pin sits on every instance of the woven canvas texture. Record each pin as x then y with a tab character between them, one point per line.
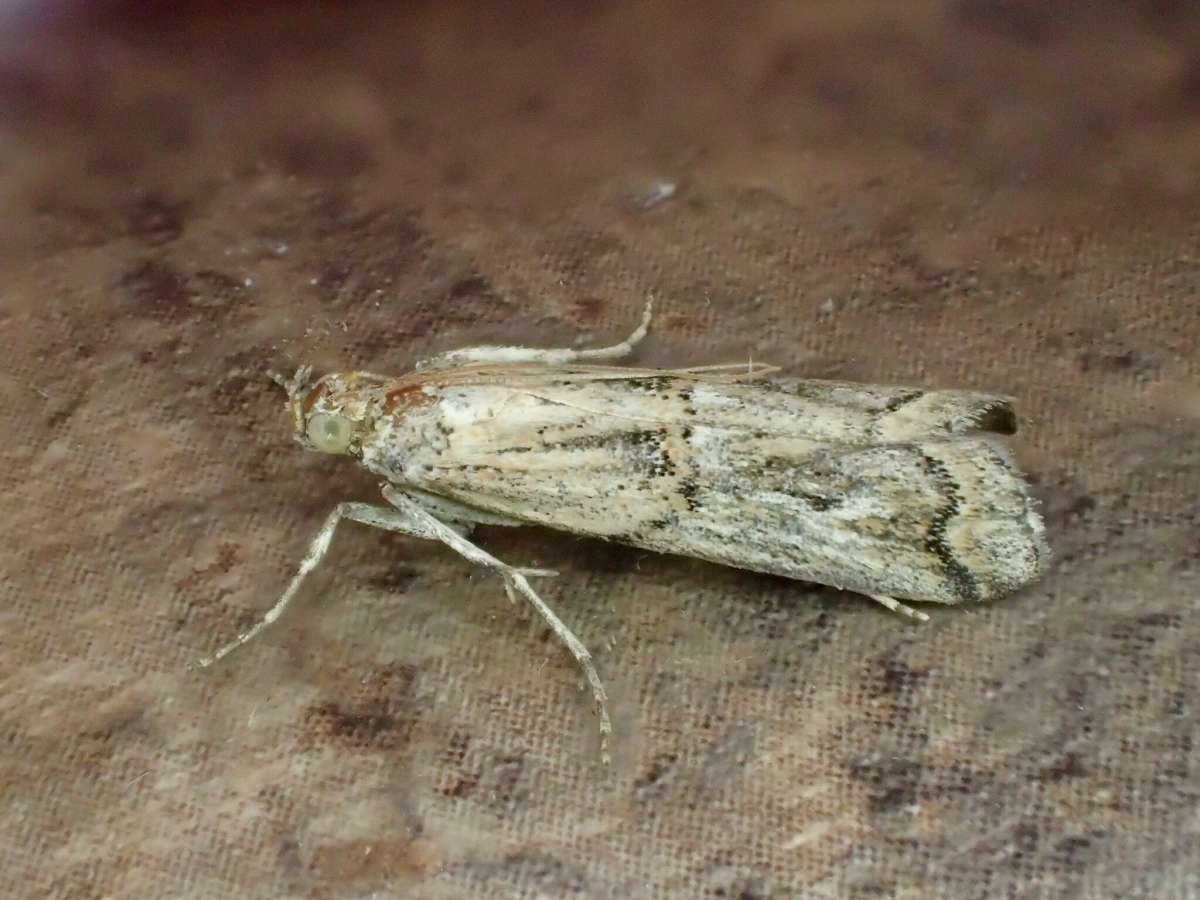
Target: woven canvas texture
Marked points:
994	195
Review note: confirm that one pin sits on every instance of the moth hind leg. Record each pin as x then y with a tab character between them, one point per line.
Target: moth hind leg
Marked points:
554	357
896	606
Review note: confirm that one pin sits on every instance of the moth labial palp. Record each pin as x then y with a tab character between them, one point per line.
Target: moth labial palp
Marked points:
894	493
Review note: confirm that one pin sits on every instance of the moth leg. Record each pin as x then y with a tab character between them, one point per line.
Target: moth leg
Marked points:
514	580
896	606
377	516
460	516
564	356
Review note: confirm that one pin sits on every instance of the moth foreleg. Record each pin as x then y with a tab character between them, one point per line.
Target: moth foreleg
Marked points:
553	357
378	516
515	579
896	606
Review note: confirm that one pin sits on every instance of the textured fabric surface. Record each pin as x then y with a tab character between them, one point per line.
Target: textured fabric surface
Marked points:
996	195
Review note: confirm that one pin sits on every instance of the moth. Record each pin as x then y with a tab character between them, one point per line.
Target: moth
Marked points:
895	493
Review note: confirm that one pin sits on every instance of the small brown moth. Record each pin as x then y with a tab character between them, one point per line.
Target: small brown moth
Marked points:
897	493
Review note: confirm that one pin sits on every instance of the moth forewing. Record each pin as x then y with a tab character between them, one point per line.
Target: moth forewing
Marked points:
897	493
680	465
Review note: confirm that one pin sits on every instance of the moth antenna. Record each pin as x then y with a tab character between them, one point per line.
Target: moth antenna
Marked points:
294	385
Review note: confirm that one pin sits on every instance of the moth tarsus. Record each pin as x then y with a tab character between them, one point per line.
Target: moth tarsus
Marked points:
896	493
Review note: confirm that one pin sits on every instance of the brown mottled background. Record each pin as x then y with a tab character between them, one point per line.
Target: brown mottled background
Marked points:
999	194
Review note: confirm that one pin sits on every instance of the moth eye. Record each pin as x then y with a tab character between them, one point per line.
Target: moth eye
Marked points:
329	434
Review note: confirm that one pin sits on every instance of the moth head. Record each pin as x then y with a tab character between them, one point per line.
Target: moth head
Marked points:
332	413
